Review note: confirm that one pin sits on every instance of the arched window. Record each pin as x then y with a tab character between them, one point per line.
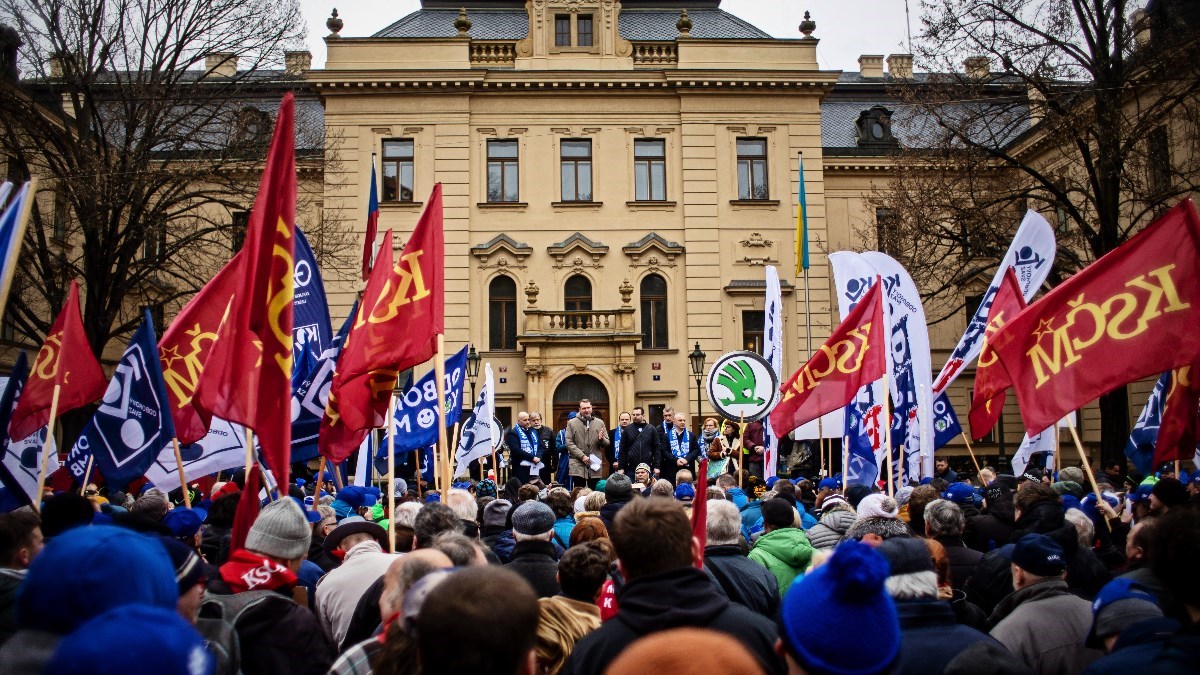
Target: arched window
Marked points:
502	312
577	294
654	312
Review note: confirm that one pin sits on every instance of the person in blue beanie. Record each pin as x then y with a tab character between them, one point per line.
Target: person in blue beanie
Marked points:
141	634
81	574
838	618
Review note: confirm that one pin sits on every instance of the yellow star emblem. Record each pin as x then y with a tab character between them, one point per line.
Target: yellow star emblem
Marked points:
169	355
1044	328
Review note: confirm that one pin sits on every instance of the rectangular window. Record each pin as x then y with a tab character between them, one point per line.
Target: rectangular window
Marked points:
154	245
562	30
61	212
886	223
752	168
502	171
650	170
237	229
753	330
1160	161
8	329
397	170
576	170
583	31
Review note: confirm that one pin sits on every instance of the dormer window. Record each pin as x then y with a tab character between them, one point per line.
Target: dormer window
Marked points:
875	128
573	30
562	30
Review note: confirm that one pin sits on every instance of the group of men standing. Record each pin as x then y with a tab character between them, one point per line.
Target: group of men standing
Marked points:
584	452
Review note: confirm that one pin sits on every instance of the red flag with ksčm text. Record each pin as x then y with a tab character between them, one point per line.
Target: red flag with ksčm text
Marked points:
1179	426
186	344
1131	314
248	375
336	440
399	329
65	361
991	381
853	356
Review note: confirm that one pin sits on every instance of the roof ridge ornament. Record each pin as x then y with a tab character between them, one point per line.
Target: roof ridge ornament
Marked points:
462	22
334	24
807	26
684	24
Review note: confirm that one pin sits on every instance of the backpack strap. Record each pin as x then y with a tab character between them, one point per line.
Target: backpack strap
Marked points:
232	607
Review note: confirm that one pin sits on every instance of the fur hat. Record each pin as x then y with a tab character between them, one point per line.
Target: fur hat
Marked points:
877	506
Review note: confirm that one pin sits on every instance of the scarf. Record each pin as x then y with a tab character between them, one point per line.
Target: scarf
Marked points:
679	447
706	440
616	441
526	441
248	571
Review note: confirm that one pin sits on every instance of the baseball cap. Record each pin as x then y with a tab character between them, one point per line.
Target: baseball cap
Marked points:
961	493
1040	555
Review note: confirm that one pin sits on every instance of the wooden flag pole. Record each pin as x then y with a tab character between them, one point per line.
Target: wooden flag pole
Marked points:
439	370
87	474
900	465
41	484
887	434
417	453
187	495
821	443
391	468
250	453
971	452
845	460
1087	467
318	483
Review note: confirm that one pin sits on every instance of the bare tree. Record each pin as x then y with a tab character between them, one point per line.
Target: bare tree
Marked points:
148	121
1091	115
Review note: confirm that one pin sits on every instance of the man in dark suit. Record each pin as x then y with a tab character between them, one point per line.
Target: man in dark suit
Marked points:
682	449
641	443
526	449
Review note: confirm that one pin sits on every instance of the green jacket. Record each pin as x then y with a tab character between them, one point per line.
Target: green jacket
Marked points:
785	553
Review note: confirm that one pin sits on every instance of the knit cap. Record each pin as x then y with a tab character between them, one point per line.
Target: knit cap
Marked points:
858	631
1170	492
617	488
533	518
138	634
856	493
1119	605
495	514
281	530
878	506
88	570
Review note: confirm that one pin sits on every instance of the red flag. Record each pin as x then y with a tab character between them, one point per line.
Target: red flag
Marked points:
700	510
1131	314
991	382
1179	426
186	344
852	357
336	440
65	361
247	510
248	376
372	225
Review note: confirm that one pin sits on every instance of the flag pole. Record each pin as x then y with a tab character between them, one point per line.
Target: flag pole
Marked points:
41	485
845	460
249	451
391	465
418	453
821	442
87	473
317	487
187	496
1087	467
972	453
439	369
887	407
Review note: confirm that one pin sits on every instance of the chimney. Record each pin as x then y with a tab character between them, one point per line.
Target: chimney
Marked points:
900	66
220	64
977	67
870	65
1037	103
1141	27
297	63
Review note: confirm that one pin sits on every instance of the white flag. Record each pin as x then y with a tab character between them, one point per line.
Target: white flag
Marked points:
22	459
829	425
362	471
1031	445
773	346
477	438
223	448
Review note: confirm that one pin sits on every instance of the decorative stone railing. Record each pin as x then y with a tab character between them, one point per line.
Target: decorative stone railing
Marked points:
562	322
493	53
654	54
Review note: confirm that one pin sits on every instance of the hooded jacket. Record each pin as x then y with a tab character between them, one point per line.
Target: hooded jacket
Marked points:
785	553
679	598
743	580
829	532
1045	626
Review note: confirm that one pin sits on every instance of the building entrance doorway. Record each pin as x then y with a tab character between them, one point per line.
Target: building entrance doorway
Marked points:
572	390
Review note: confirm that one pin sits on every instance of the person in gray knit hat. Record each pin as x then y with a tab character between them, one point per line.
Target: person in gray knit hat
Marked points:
255	588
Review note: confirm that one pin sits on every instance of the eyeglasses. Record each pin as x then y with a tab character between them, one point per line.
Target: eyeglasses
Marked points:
90	492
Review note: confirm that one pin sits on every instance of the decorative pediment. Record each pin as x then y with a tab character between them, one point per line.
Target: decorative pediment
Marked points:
756	250
502	251
577	251
652	251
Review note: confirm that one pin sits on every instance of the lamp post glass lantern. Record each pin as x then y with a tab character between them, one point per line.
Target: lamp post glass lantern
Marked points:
473	361
696	358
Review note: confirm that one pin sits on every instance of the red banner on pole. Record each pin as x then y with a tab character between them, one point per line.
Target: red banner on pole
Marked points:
991	381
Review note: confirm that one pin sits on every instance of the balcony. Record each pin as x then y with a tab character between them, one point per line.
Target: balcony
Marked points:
580	324
493	54
654	54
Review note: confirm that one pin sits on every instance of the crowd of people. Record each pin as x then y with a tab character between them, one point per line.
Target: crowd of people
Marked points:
1014	574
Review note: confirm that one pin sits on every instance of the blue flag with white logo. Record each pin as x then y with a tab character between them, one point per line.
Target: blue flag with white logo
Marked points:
416	405
133	423
864	430
19	464
311	331
311	379
1140	446
945	421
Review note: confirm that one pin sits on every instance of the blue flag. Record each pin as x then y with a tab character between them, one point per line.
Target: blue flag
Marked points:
311	378
864	426
1140	446
945	421
19	459
133	423
311	331
12	233
416	405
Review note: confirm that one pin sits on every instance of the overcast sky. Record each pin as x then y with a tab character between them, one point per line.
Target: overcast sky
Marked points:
846	28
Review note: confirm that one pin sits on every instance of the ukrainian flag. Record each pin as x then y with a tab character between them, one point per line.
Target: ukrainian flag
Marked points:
802	261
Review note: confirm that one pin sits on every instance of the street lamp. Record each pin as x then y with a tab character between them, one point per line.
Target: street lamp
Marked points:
473	360
696	358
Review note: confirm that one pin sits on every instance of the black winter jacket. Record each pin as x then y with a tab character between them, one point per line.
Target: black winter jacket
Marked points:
279	636
680	598
640	445
743	580
537	563
931	642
